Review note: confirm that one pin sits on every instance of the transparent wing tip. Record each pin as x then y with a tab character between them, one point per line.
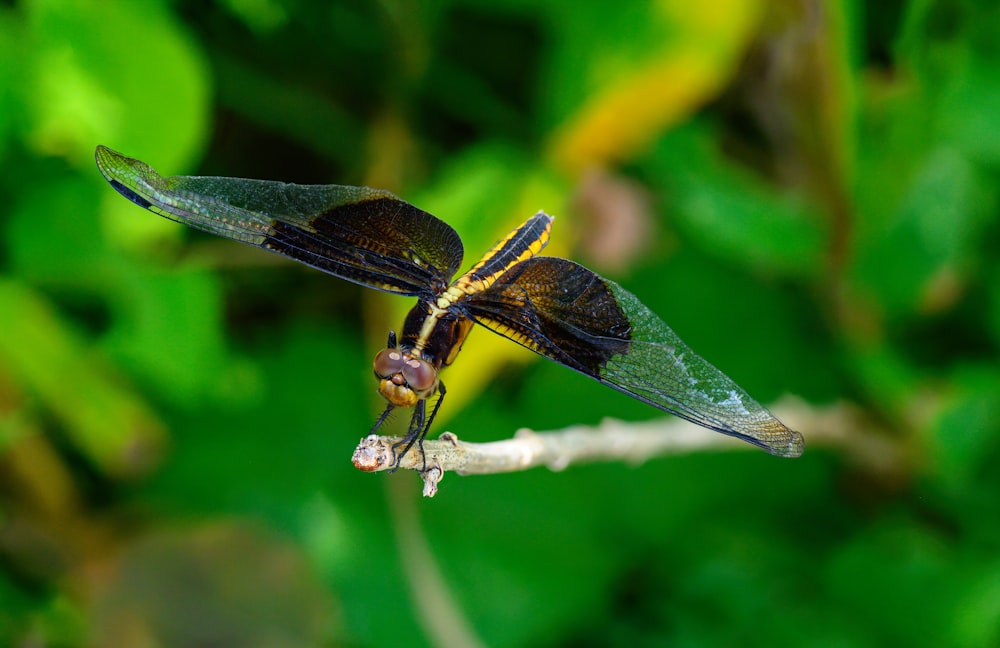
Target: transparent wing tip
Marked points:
792	448
109	162
129	177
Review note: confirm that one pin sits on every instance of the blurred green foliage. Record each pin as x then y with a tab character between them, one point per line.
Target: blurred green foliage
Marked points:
806	191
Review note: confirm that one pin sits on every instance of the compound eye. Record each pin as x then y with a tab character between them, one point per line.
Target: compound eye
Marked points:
388	362
419	375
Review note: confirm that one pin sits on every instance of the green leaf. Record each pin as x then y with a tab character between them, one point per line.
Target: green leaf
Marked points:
107	421
168	328
732	214
937	226
907	587
127	75
967	427
52	233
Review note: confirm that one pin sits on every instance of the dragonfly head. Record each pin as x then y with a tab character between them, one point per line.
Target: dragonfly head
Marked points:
403	380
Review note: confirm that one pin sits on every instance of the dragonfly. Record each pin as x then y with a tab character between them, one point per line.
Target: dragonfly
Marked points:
555	307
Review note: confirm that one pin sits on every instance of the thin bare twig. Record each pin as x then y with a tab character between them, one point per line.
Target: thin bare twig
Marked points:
836	425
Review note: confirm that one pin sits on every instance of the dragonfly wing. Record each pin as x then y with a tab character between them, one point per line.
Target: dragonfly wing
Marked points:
364	235
568	313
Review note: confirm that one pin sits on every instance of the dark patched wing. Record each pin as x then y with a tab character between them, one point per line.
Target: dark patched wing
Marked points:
364	235
568	313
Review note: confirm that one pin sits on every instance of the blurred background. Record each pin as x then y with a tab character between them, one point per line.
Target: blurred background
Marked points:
806	191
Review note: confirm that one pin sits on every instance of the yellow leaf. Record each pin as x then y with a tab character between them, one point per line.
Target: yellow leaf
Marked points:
698	56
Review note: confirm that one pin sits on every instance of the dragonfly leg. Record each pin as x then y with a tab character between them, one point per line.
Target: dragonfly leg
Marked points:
413	434
430	419
418	430
382	418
